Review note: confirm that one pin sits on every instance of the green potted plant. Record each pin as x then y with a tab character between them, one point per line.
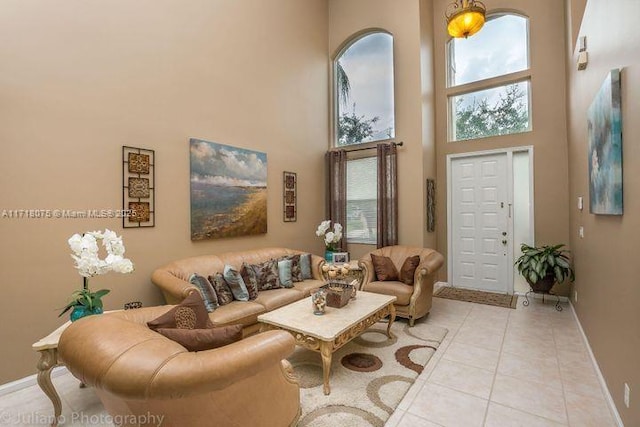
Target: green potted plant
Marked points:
544	266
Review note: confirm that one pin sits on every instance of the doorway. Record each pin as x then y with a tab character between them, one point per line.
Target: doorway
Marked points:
490	213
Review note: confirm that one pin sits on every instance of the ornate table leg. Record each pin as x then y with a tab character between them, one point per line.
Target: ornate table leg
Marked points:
392	318
48	361
327	353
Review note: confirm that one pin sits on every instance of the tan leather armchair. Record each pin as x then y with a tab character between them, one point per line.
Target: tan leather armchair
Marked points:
414	301
137	372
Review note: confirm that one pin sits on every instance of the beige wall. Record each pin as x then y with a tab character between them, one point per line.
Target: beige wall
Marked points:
608	303
81	78
402	19
548	135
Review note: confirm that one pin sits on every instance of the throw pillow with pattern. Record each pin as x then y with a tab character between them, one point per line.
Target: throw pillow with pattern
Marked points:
296	270
206	290
236	283
249	277
267	276
189	314
225	296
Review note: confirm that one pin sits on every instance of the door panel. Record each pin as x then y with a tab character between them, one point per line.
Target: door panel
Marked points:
479	219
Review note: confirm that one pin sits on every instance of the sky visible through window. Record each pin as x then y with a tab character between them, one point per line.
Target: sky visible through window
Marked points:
368	63
501	47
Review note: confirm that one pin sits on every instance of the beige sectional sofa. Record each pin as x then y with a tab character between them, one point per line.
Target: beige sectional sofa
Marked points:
173	280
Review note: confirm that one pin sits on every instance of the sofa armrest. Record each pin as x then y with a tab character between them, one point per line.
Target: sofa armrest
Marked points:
316	266
426	268
173	288
368	273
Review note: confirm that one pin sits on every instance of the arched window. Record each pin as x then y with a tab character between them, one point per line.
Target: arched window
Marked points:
489	80
363	89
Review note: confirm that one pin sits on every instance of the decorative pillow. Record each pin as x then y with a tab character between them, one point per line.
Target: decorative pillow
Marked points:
236	283
267	275
189	314
408	269
223	291
284	273
296	271
250	281
305	266
203	339
384	268
206	290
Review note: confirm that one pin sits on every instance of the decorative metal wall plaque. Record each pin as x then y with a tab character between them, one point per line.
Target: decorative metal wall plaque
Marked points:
138	187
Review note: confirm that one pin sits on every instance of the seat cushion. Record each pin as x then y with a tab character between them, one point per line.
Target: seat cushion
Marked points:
398	289
308	286
275	298
244	313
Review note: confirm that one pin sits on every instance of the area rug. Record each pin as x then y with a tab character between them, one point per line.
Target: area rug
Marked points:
479	297
369	376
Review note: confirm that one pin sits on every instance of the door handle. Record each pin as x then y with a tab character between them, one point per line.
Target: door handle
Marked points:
504	242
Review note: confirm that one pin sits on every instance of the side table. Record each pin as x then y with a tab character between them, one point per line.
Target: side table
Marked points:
355	272
48	349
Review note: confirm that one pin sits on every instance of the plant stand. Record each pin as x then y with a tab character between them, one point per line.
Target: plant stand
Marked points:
526	296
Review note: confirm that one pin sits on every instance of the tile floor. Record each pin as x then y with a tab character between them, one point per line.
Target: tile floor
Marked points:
497	367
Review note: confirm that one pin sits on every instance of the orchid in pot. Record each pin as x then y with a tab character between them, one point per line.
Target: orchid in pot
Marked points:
88	263
331	238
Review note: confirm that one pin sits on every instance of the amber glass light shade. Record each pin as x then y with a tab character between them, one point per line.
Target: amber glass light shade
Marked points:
466	21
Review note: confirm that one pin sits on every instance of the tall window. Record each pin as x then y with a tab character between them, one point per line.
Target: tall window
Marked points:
363	87
489	80
362	201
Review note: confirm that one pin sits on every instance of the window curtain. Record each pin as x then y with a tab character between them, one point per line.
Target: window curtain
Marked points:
337	191
387	195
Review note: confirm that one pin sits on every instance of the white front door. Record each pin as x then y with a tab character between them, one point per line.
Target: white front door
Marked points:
479	223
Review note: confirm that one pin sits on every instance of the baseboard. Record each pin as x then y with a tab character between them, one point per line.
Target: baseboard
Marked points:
603	384
29	381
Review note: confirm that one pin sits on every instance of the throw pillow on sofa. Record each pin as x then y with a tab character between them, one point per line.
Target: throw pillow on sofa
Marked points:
305	266
236	283
408	269
206	291
203	339
189	314
225	296
249	277
284	273
296	270
384	268
266	274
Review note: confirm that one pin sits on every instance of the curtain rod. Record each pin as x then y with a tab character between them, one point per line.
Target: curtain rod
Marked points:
399	144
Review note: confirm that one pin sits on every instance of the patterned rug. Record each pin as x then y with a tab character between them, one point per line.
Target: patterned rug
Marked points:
479	297
369	376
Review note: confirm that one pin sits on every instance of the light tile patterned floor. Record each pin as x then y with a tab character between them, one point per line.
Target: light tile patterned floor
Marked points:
500	367
497	367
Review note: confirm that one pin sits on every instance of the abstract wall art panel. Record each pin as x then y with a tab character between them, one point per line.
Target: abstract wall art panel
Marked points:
138	187
604	121
228	191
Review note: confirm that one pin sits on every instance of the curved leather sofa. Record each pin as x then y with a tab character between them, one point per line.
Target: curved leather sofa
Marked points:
173	280
137	373
414	301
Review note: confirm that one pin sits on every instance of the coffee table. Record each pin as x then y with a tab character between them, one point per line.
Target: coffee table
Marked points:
327	333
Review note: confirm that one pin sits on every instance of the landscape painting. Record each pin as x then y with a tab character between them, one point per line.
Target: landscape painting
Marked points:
604	121
228	191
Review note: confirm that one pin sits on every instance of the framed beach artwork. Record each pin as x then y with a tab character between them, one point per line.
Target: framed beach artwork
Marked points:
604	122
228	191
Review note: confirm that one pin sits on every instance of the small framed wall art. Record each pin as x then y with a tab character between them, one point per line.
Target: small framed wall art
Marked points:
138	187
289	197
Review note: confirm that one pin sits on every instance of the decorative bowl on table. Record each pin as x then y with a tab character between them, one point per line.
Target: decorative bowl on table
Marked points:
338	293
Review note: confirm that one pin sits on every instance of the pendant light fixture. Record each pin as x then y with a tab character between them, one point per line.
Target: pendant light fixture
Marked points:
465	18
